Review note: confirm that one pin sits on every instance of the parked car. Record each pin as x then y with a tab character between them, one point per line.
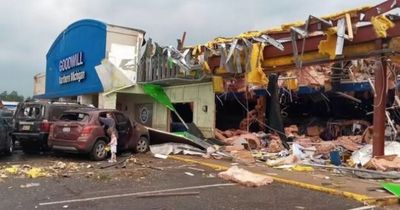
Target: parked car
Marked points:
11	105
6	143
32	121
80	131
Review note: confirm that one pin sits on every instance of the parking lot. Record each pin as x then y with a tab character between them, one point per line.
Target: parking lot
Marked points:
74	182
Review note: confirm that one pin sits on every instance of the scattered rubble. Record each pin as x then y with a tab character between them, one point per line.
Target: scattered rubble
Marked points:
384	163
175	148
364	155
243	156
189	174
29	185
307	149
52	169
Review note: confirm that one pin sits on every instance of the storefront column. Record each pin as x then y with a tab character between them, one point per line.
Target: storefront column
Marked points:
85	99
108	101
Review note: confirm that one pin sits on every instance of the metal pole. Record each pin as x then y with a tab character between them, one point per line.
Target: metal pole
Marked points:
183	122
378	145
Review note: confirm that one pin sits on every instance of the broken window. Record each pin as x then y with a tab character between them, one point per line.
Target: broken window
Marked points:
75	116
31	111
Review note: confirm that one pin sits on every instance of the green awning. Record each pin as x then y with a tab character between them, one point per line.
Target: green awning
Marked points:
158	93
392	187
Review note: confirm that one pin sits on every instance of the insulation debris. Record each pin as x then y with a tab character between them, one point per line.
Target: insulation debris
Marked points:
256	76
384	163
243	156
328	46
275	144
245	177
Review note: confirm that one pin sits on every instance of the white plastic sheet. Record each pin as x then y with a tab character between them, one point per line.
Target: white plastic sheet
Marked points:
363	155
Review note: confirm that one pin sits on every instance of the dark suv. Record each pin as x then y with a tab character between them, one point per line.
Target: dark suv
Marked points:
6	143
32	121
80	131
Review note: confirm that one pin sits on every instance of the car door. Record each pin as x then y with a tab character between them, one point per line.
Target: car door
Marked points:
124	128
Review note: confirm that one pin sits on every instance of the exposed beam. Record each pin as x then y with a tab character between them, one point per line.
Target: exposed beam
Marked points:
362	46
378	143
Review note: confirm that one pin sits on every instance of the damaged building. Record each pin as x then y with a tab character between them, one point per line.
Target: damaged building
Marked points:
332	78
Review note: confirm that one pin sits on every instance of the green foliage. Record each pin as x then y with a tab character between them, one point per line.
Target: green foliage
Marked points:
13	96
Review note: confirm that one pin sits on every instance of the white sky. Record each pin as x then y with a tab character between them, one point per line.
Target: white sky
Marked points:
28	27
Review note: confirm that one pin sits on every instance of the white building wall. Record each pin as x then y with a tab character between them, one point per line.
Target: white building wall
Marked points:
108	101
39	85
122	48
128	103
202	97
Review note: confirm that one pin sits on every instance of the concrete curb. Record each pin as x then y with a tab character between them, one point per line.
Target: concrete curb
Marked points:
350	195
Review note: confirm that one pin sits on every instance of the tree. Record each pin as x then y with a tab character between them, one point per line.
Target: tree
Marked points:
13	96
3	95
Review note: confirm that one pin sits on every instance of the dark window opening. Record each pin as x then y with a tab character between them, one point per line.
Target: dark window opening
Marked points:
185	111
230	111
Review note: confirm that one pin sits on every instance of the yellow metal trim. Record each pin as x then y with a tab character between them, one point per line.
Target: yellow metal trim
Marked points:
216	167
314	56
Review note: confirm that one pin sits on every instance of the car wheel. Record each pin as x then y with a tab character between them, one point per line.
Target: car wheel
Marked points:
9	147
99	150
142	145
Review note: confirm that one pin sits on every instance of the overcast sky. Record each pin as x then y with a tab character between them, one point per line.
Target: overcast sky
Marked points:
29	27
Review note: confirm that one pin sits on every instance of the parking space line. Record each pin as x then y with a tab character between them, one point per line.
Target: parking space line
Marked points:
134	194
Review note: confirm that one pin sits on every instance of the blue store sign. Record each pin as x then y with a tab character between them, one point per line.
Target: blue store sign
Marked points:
71	60
68	63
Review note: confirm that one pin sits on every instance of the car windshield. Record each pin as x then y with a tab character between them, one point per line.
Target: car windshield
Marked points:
75	116
35	111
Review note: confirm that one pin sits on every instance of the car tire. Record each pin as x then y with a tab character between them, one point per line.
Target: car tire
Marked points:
142	145
98	151
9	147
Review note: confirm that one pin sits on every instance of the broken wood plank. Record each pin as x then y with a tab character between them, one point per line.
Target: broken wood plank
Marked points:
114	164
146	166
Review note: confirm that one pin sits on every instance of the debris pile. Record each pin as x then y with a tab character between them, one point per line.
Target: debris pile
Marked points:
307	149
23	171
55	169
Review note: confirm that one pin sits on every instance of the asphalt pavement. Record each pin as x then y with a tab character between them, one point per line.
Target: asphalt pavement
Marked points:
87	186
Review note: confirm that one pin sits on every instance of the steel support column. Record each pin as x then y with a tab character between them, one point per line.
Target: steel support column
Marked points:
378	144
